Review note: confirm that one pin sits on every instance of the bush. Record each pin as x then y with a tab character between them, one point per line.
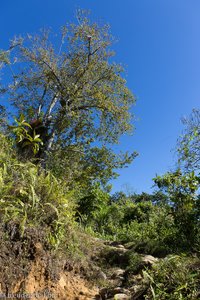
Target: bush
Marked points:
32	197
175	278
158	236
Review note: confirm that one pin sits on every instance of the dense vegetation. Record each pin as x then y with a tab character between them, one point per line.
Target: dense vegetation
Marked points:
70	105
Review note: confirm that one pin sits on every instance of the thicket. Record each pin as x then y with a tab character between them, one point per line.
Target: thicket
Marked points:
31	197
159	224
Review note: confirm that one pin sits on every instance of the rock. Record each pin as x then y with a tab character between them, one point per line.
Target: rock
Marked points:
121	297
120	250
130	245
120	246
109	293
118	273
121	278
116	282
102	275
149	260
98	273
138	277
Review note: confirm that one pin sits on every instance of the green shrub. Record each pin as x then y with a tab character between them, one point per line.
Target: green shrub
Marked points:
158	236
32	197
174	278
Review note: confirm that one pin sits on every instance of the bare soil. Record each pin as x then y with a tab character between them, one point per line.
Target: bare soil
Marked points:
29	271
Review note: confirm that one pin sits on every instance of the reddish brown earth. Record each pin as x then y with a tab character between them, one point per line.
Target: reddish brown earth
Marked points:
67	286
29	271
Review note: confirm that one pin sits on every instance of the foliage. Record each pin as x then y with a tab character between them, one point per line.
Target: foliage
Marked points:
3	118
4	58
157	236
134	263
79	95
181	190
147	226
158	224
33	198
83	167
175	278
26	138
188	144
95	211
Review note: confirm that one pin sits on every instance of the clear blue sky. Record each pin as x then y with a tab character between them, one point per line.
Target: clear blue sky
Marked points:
159	41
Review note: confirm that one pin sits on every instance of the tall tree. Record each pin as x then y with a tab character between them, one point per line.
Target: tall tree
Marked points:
72	93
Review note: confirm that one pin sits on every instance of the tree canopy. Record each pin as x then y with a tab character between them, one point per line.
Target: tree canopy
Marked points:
72	94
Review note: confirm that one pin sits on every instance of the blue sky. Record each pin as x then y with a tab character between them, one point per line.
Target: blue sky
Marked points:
159	43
